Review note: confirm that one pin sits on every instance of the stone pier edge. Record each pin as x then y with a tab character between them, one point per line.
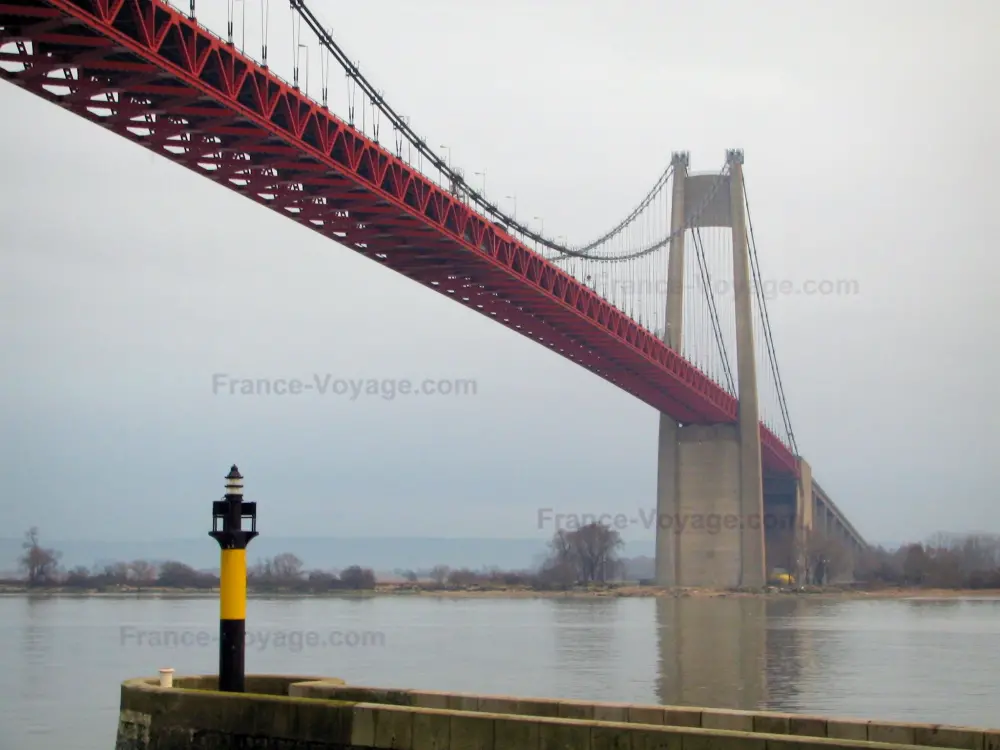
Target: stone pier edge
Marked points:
311	710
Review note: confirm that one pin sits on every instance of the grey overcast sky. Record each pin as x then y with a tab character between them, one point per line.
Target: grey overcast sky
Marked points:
870	136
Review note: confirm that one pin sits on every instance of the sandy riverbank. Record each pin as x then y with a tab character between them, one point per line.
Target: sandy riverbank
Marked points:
831	592
647	591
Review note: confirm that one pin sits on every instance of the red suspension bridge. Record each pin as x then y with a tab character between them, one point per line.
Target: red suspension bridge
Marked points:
156	75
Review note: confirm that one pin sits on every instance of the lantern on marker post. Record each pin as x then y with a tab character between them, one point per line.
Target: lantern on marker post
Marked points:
228	517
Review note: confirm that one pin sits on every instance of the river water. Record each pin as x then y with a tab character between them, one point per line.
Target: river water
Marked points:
916	659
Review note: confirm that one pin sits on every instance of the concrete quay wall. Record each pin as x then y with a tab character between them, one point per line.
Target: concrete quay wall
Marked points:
763	722
300	712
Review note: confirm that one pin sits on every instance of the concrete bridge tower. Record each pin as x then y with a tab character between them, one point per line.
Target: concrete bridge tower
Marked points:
710	502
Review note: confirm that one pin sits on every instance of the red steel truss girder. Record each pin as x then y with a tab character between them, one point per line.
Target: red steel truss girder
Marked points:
408	224
27	11
35	31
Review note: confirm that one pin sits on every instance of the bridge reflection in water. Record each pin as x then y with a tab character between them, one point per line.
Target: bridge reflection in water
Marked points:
731	652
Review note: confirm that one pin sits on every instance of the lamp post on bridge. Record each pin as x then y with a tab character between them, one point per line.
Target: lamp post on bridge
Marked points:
563	241
456	177
233	539
513	213
541	229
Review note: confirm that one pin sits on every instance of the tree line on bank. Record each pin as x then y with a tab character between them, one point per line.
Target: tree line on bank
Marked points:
586	556
946	561
41	569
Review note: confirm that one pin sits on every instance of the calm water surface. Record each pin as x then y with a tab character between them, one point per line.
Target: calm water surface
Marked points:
919	660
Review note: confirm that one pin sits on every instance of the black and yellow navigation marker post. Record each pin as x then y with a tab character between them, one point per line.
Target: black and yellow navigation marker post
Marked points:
233	540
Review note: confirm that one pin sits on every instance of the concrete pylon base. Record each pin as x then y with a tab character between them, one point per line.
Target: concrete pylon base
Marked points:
705	538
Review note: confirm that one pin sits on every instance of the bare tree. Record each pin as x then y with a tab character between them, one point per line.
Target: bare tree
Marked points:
557	572
916	564
464	577
878	565
281	570
287	567
596	546
142	572
588	554
322	580
78	577
561	547
115	573
827	557
439	574
39	564
175	574
977	552
356	577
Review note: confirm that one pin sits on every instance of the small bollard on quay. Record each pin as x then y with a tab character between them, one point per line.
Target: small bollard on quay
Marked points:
228	514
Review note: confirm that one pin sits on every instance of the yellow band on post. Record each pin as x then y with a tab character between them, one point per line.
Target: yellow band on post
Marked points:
233	585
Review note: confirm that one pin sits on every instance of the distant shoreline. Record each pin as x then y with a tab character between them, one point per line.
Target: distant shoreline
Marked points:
613	592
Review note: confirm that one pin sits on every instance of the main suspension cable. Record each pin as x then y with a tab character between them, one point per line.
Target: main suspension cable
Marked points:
766	325
456	179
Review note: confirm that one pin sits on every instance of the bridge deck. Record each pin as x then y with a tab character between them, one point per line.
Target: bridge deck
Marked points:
179	90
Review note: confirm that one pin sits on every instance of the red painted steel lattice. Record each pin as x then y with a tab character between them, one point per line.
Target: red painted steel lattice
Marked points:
179	90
